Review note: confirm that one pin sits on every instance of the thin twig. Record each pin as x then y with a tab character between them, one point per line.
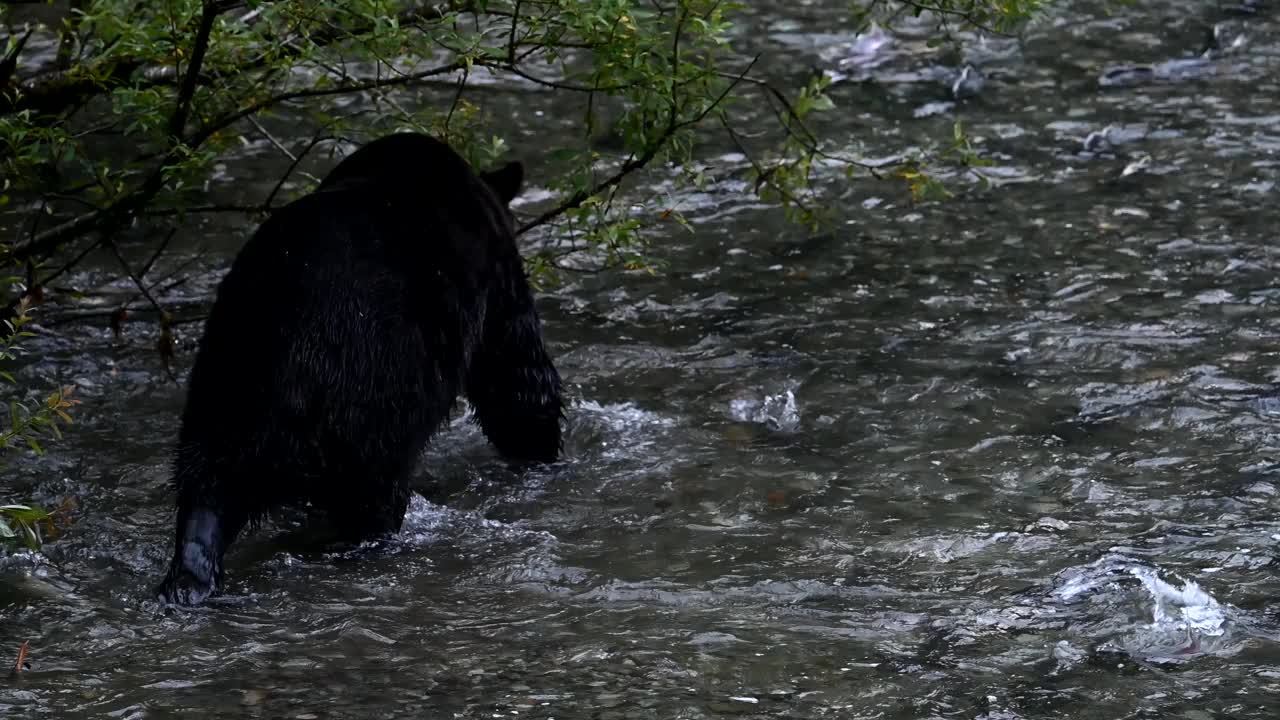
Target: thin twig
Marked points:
457	97
56	235
763	175
169	212
151	261
216	126
166	319
635	163
70	264
266	204
968	18
271	138
137	281
511	39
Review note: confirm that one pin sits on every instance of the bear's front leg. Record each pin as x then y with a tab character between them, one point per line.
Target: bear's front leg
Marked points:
513	385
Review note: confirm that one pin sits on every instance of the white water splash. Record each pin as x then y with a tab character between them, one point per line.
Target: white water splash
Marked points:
777	411
1187	608
426	523
1184	621
621	416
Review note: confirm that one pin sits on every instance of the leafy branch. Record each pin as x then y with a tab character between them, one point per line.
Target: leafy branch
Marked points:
27	424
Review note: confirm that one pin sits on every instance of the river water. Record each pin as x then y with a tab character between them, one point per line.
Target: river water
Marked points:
1007	456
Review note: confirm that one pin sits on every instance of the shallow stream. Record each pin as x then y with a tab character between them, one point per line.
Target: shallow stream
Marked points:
1009	456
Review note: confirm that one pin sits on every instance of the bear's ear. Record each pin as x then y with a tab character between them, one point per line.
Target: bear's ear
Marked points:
505	181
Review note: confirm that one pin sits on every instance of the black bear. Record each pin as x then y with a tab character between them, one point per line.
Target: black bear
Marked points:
339	342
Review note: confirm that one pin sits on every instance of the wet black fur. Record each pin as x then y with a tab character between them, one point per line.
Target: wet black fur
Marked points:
339	342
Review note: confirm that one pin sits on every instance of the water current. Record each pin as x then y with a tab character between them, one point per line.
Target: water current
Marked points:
1013	455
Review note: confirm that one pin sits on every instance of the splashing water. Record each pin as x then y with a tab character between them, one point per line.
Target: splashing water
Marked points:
777	411
623	416
1187	608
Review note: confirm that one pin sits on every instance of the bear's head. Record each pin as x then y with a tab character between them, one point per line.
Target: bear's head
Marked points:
413	166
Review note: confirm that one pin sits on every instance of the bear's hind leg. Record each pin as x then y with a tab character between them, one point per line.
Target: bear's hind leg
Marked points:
367	500
208	522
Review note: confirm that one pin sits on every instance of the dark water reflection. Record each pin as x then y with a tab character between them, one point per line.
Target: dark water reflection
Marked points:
943	461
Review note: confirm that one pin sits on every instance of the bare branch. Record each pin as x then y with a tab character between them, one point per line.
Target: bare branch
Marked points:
151	261
636	163
266	204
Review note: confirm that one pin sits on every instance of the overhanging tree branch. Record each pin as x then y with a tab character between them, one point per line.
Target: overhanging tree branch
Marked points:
118	212
636	163
134	202
686	108
58	90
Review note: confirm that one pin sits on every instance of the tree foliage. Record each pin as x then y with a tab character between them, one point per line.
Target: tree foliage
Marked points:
184	82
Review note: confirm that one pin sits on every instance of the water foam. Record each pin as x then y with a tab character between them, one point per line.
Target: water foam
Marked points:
1187	608
778	411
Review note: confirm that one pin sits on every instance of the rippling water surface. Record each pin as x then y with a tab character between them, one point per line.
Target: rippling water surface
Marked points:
1010	456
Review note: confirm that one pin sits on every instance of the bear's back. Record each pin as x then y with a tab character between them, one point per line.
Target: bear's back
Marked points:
364	294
